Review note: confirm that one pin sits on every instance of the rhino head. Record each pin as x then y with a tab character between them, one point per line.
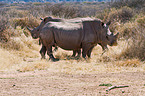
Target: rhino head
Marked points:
110	38
35	32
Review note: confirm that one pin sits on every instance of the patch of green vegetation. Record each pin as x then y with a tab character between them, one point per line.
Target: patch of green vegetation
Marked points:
7	78
108	85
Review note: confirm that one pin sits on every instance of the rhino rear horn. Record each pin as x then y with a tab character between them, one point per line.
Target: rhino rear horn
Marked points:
41	18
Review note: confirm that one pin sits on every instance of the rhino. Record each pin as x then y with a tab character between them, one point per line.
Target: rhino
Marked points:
35	34
74	36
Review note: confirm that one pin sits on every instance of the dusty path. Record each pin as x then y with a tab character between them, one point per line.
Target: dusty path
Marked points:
46	83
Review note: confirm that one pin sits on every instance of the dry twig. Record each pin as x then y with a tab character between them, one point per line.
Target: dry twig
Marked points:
113	87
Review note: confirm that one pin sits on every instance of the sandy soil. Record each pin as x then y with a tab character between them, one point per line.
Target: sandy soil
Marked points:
48	83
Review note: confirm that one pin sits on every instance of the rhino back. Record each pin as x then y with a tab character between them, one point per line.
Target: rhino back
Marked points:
78	20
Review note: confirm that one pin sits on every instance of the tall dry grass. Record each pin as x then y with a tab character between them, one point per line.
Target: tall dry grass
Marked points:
129	3
134	32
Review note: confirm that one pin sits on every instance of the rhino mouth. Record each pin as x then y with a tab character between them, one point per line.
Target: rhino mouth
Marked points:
34	36
113	44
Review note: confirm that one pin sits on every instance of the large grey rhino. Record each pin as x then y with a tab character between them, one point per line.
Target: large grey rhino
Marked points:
35	33
74	36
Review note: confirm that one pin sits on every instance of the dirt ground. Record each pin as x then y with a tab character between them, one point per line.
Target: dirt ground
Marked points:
48	83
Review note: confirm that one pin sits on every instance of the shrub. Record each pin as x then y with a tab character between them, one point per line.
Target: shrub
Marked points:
136	42
127	30
123	14
129	3
4	24
141	21
23	22
62	10
129	63
14	13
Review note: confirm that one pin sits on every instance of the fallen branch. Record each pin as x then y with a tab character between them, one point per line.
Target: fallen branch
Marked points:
113	87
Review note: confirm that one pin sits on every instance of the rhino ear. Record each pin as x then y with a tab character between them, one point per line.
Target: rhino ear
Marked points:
47	19
108	23
102	24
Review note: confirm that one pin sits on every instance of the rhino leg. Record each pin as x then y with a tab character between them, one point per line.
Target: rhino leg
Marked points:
79	53
76	51
39	42
104	47
85	50
56	48
42	52
49	53
89	52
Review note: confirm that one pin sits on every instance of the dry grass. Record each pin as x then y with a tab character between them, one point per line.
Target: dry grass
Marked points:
129	63
134	33
25	21
29	60
130	3
16	49
7	59
123	14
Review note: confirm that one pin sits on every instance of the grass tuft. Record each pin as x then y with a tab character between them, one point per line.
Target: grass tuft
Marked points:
129	63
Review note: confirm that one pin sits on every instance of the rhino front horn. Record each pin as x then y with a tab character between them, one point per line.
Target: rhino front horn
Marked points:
28	28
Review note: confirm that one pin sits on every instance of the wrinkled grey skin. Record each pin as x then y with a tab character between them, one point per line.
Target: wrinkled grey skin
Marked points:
86	37
103	44
35	34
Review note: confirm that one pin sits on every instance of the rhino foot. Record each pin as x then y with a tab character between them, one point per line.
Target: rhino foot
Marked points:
54	59
43	58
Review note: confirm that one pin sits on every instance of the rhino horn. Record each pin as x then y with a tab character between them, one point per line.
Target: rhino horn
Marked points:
28	28
41	18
